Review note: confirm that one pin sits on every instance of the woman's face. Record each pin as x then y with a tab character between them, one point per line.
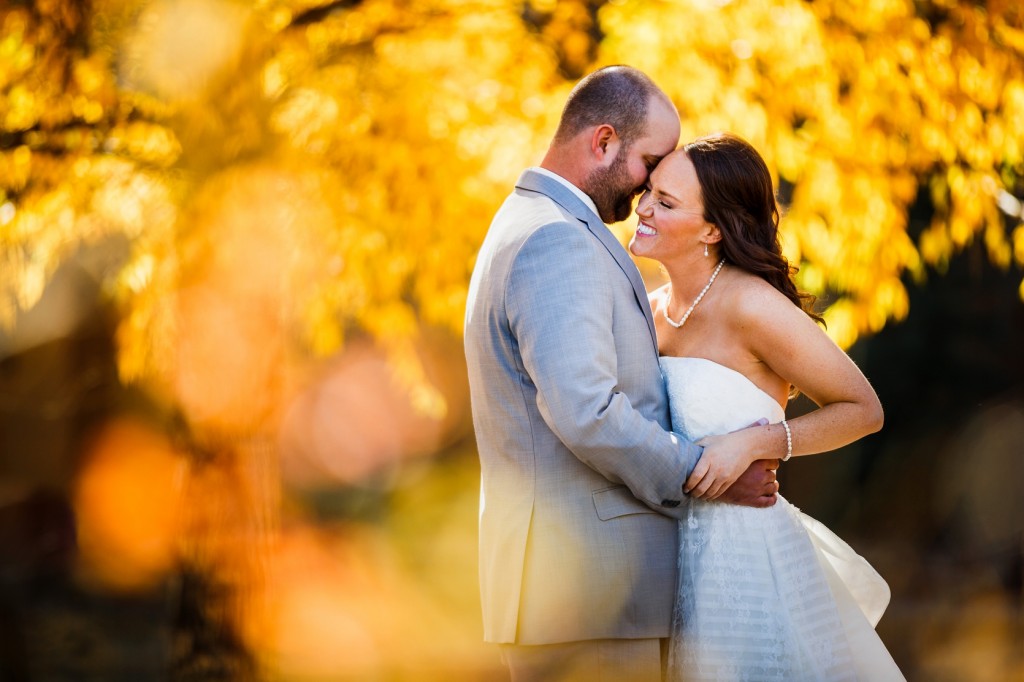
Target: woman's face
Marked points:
671	212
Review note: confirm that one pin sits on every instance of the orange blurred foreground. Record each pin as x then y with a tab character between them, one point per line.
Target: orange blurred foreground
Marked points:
127	505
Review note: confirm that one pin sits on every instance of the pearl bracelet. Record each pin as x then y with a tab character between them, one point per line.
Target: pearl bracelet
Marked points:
789	441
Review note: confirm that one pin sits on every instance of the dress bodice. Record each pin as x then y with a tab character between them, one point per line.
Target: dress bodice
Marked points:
707	398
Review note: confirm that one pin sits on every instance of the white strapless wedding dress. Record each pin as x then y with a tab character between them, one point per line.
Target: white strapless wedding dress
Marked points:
764	594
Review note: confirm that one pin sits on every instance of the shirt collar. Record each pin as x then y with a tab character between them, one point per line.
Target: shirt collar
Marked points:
583	196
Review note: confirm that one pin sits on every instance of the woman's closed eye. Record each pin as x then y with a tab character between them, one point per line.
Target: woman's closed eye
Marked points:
661	200
650	191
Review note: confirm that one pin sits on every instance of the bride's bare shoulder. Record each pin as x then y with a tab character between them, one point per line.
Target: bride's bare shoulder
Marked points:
753	301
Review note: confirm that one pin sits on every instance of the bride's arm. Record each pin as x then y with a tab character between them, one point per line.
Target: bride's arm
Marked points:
795	348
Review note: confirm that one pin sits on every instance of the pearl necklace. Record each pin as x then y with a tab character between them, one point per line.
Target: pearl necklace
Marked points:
703	291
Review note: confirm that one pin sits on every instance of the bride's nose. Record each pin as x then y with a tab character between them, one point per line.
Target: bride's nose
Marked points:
643	207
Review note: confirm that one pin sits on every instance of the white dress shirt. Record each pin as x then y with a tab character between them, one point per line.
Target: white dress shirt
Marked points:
584	197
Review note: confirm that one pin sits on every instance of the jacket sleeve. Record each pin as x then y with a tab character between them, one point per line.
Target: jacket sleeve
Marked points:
559	300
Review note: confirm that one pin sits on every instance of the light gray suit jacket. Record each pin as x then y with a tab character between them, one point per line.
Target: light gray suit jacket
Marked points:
580	475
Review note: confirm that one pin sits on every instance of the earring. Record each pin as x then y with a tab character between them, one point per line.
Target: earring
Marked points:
705	249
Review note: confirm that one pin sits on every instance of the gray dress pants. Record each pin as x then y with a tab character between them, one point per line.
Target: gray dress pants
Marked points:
598	660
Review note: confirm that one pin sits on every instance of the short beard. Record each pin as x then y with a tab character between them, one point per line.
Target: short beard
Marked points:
610	190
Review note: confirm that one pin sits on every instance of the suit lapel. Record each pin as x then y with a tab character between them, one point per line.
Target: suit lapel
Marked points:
564	197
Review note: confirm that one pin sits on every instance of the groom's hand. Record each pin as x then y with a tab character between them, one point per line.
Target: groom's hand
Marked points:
756	487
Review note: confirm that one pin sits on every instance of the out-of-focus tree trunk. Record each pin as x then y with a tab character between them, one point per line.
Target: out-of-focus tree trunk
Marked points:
232	501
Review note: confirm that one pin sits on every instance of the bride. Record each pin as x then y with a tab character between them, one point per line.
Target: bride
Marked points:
763	594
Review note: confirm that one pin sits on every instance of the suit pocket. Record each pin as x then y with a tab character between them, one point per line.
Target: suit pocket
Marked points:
618	501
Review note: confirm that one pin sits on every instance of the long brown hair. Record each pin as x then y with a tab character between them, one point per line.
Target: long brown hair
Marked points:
736	187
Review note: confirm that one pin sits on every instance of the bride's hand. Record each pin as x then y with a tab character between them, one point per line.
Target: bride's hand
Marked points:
725	458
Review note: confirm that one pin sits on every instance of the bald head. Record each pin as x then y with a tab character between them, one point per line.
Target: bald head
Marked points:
615	128
619	96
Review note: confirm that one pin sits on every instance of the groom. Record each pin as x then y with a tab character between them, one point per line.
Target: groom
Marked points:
581	477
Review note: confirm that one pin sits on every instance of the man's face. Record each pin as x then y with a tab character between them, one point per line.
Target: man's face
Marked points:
614	187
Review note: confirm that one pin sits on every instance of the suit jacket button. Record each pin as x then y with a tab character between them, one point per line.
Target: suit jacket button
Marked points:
670	503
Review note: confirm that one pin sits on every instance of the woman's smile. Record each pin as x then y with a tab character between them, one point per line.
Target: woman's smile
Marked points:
645	230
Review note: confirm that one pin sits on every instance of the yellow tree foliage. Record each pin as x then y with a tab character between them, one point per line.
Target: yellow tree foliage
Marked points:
285	173
860	107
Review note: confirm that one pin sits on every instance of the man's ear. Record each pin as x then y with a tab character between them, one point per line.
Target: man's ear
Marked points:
604	144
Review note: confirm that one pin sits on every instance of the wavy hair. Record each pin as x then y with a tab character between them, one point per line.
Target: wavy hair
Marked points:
736	187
